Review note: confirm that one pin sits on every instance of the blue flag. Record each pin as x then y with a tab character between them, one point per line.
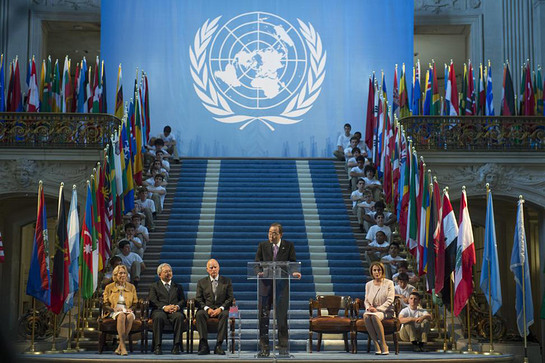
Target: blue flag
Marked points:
519	264
2	86
490	272
489	96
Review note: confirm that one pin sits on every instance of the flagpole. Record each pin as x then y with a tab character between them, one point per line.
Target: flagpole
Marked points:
53	348
491	331
523	267
69	343
469	348
32	348
454	345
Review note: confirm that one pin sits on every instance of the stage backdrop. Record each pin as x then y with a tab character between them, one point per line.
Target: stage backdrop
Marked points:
255	78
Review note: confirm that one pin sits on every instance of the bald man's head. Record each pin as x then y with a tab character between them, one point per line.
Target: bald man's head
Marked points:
213	268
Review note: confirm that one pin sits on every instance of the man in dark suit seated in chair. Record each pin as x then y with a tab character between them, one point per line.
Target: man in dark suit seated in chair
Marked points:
214	298
167	300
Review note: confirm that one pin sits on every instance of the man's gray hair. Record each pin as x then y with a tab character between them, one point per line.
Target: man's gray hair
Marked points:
160	268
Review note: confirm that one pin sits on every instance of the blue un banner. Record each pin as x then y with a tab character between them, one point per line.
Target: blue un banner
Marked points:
256	79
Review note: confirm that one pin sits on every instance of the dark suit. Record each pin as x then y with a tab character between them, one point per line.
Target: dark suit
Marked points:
159	297
264	254
205	298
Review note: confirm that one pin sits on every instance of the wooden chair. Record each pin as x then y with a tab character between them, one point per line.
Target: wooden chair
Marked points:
212	325
107	325
167	329
332	323
391	325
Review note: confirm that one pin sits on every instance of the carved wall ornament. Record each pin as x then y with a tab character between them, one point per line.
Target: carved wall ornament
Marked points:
436	6
68	4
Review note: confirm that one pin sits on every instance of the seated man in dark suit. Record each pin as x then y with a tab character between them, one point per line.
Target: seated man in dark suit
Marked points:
167	300
214	298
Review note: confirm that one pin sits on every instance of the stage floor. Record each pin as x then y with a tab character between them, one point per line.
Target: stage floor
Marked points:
250	356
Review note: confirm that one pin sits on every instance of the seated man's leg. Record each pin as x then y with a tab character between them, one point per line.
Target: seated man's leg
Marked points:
177	319
424	330
159	318
201	319
408	333
339	154
135	270
157	200
150	224
222	326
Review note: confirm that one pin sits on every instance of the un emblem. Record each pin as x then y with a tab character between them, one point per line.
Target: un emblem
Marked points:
257	67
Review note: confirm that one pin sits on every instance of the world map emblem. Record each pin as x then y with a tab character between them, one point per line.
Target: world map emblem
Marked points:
257	67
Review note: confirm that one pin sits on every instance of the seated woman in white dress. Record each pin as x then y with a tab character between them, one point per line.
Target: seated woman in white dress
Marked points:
379	299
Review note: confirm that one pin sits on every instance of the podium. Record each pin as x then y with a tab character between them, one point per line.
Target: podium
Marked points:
273	281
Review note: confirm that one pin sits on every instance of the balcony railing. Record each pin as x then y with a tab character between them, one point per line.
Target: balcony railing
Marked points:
56	130
476	133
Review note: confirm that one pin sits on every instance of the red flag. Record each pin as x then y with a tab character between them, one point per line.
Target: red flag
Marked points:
529	97
465	259
370	121
60	283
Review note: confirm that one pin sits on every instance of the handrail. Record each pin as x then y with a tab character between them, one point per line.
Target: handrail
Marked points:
56	130
476	133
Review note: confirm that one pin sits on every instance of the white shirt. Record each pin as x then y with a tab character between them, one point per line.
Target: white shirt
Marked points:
148	203
130	259
393	266
410	313
355	196
371	234
344	140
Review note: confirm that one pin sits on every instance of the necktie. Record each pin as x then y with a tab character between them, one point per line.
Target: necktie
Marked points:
168	287
275	251
214	287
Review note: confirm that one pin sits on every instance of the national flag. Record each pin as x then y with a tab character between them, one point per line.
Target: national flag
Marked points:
60	284
117	154
489	94
471	108
119	110
15	97
103	104
529	97
539	92
33	92
103	248
83	82
519	265
370	120
404	110
445	104
46	101
75	90
97	90
95	232
424	222
490	270
2	257
436	101
395	102
74	249
508	94
451	93
38	284
426	110
416	104
86	256
90	91
465	259
434	234
138	155
449	241
127	175
146	106
2	85
108	200
405	195
463	94
56	89
412	216
66	89
481	93
522	89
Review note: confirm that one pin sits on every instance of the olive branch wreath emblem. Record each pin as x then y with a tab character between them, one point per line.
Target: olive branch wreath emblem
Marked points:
214	102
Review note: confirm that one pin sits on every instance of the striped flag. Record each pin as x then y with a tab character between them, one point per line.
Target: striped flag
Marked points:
60	284
86	256
33	97
119	110
465	259
489	94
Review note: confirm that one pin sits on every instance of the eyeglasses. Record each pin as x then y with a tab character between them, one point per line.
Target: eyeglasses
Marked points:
274	233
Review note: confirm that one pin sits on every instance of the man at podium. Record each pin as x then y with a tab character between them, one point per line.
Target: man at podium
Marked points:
275	249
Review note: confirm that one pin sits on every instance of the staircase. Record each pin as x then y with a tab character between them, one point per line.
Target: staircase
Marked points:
222	209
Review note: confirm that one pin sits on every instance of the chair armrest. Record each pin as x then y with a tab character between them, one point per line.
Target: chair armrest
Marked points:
311	305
